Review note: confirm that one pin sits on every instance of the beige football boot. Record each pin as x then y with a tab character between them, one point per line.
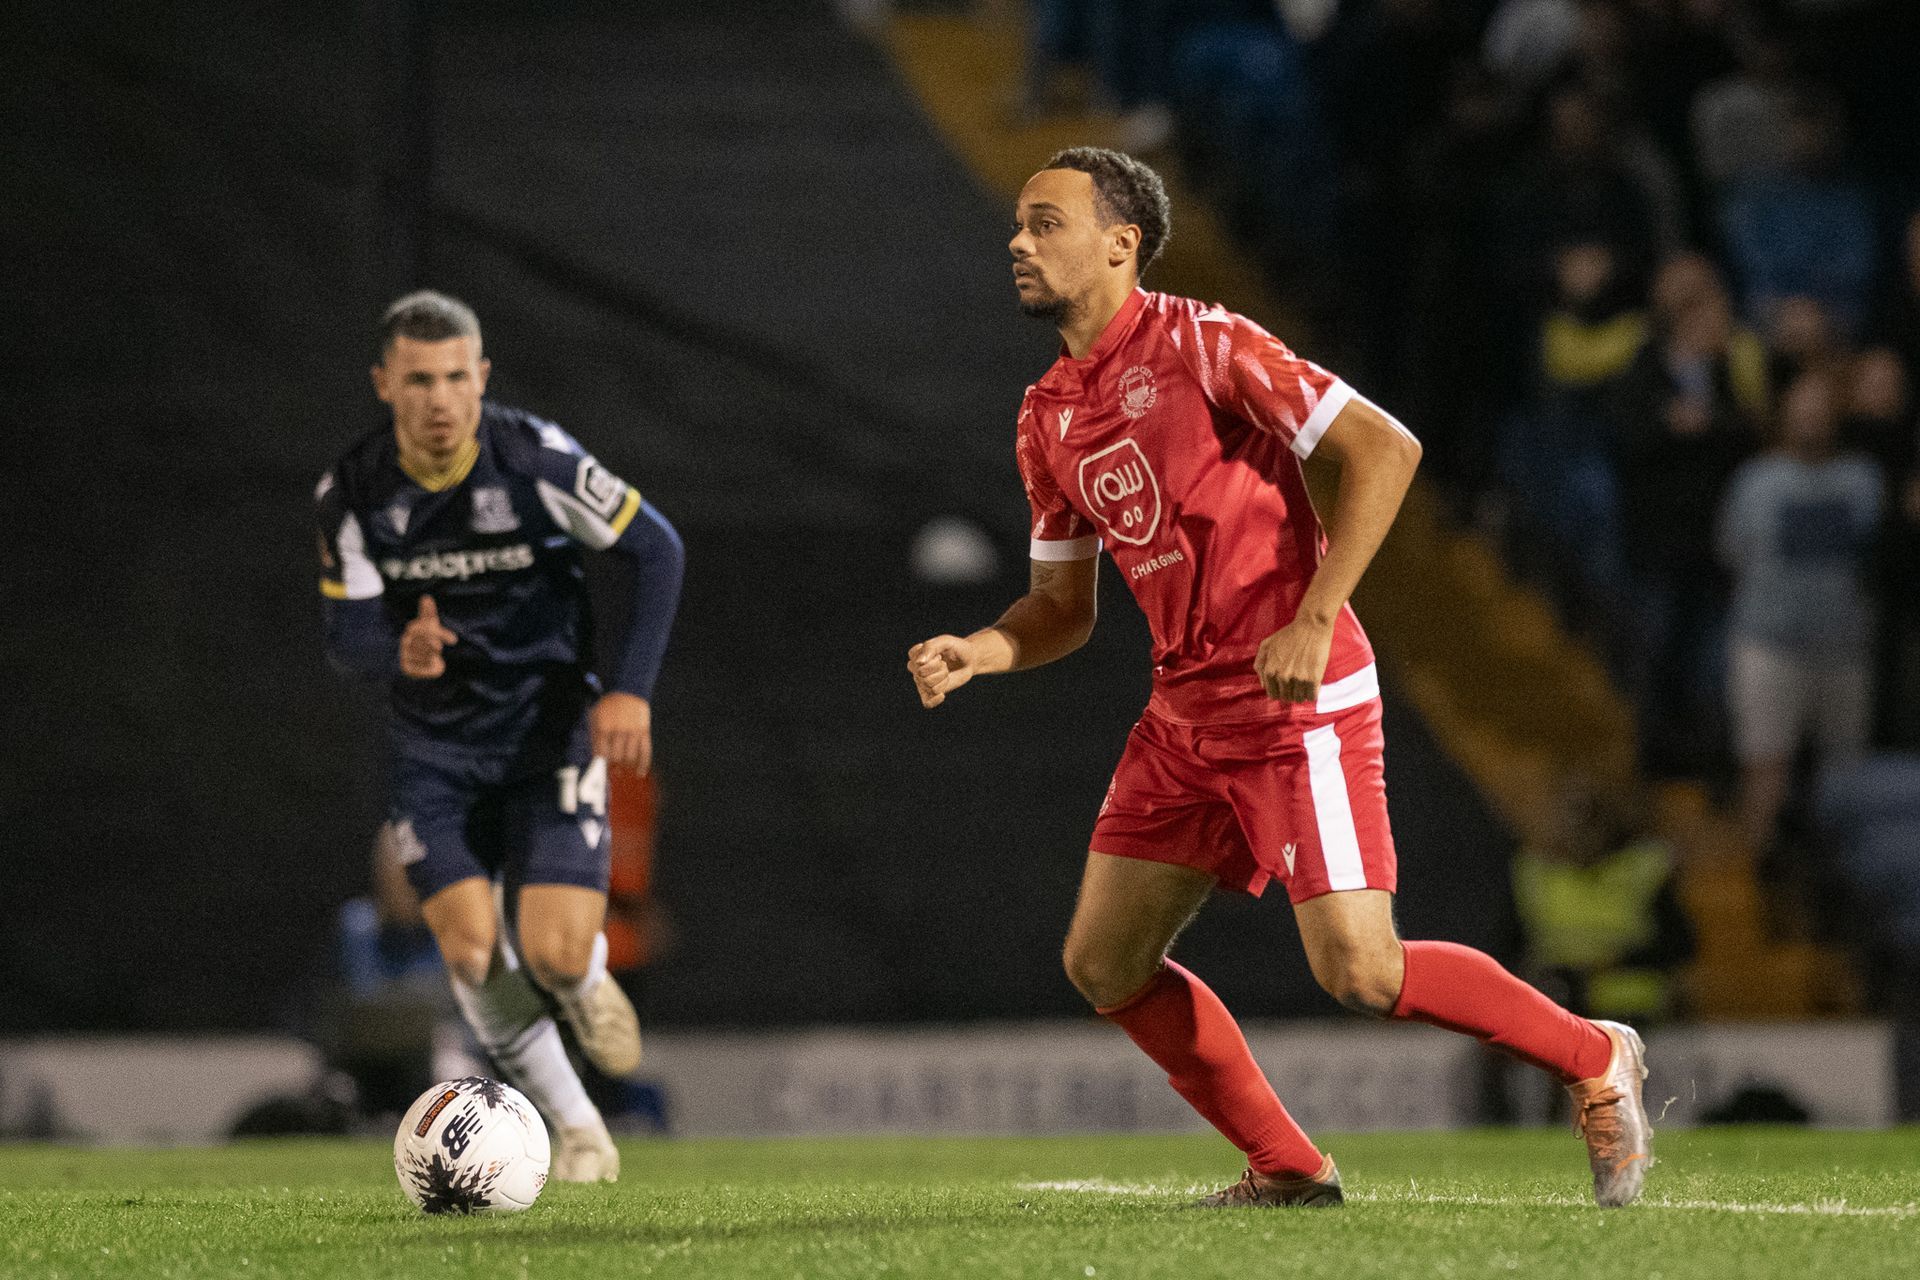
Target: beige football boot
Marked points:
1321	1191
607	1028
1609	1113
586	1154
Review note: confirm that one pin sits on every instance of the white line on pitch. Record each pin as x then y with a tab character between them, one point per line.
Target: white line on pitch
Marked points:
1819	1208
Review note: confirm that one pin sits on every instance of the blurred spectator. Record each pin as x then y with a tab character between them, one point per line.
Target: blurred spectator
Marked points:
1800	337
383	939
1685	414
1880	419
1595	327
1576	188
1599	63
1597	900
1740	121
1527	40
1555	454
1807	230
1796	529
396	1010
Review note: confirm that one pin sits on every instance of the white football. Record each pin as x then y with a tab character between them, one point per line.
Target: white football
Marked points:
472	1145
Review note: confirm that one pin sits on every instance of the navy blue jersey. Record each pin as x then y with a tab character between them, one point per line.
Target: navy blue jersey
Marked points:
498	549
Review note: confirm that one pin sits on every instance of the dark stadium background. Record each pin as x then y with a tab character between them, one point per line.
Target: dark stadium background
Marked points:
722	245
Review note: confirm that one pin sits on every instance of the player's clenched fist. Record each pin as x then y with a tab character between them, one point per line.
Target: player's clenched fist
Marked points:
1293	660
422	641
939	666
622	729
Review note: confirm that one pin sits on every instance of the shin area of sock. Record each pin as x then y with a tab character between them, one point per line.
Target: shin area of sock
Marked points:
1456	987
512	1025
1179	1022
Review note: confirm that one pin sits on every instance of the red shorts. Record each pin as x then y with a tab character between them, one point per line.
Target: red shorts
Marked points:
1304	800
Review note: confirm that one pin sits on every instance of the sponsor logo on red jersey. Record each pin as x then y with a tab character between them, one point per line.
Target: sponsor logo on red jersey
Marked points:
1118	486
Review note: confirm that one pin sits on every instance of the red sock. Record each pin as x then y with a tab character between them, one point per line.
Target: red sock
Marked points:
1182	1025
1466	990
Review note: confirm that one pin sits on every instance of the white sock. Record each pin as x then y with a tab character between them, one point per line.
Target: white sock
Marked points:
512	1025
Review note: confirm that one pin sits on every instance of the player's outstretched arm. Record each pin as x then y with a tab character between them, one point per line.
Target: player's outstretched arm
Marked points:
1377	458
621	723
1053	619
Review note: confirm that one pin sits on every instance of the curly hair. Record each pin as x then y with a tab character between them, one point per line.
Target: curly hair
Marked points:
1125	190
427	316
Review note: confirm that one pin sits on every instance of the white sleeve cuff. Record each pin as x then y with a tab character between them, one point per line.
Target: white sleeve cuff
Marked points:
1069	549
1336	399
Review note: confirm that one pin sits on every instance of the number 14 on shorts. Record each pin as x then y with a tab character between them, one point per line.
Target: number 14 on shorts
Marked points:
583	797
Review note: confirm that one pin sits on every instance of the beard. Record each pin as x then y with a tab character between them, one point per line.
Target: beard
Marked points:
1052	309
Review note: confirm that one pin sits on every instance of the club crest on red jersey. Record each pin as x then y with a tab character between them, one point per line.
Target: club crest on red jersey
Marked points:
1136	390
1119	487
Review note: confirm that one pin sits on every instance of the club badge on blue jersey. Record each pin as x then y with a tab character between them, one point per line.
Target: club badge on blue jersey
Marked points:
493	511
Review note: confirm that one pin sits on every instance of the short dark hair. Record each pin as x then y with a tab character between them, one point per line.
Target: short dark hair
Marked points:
1124	190
427	316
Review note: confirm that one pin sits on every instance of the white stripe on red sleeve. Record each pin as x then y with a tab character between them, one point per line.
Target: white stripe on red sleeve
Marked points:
1331	403
1064	548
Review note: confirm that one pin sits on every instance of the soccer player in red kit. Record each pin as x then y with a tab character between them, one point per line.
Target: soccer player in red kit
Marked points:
1173	432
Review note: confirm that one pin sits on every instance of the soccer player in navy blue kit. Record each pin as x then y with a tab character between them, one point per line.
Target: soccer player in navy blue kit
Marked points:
450	548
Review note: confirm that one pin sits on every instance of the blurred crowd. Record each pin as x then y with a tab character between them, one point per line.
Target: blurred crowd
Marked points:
1644	274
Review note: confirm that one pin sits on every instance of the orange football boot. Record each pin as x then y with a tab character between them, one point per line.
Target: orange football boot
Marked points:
1609	1113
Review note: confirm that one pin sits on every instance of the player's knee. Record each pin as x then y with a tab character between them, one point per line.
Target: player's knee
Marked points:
468	958
558	960
1106	977
1364	981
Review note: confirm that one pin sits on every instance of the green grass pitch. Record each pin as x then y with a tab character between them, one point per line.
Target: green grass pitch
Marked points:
1720	1203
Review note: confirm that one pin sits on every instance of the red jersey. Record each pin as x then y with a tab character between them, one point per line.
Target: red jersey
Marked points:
1177	442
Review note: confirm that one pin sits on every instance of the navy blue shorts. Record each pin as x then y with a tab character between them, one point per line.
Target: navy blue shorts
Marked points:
536	818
